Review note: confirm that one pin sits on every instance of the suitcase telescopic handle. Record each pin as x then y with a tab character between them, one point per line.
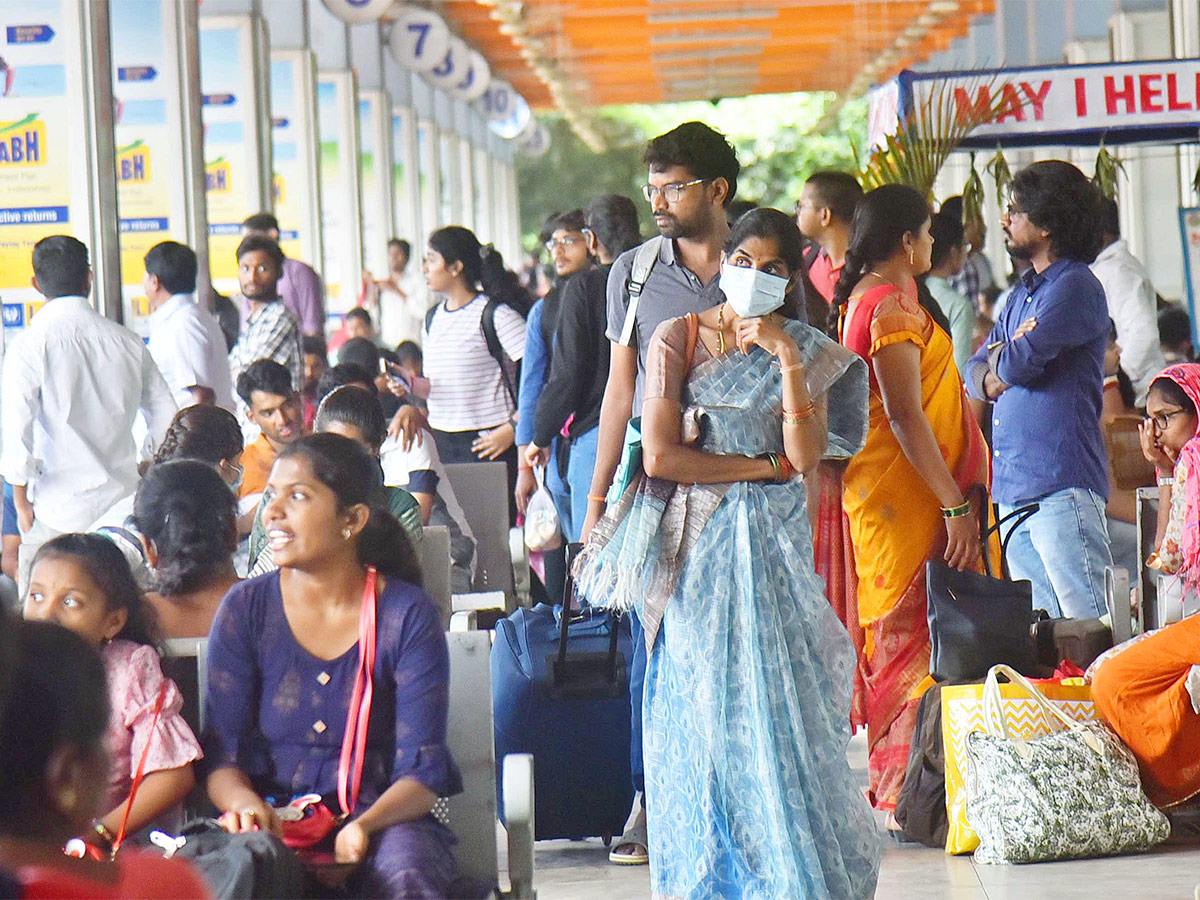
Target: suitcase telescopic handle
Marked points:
564	620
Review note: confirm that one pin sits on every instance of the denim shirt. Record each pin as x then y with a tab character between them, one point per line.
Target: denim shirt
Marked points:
1046	426
535	367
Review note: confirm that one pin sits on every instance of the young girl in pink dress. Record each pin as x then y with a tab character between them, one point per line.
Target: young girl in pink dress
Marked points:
83	582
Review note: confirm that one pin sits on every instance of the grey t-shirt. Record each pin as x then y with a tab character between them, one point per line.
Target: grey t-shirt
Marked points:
671	290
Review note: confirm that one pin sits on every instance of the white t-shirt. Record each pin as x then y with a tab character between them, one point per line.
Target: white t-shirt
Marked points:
407	469
466	386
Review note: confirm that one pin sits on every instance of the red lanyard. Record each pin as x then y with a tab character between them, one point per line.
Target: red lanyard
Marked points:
354	743
141	769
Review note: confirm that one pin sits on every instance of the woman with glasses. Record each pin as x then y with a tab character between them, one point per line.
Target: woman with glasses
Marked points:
1148	689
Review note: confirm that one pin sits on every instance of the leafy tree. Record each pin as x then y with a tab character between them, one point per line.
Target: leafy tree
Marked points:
770	133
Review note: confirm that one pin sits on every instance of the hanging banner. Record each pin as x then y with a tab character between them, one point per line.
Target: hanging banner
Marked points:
144	146
1189	227
402	168
1118	102
37	132
226	73
341	213
419	39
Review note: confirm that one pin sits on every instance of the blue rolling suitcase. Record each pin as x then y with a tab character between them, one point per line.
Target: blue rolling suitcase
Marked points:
563	695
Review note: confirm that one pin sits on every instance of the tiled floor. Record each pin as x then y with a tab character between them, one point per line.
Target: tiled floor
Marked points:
581	871
567	871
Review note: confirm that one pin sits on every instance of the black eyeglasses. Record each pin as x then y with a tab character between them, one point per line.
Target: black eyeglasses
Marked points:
1163	420
669	192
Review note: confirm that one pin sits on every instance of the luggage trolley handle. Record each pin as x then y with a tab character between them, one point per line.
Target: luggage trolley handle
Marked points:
561	670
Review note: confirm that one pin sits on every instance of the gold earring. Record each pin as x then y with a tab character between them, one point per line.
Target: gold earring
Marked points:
346	534
910	256
67	798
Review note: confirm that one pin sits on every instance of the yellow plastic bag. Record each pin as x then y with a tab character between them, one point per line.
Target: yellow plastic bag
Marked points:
962	713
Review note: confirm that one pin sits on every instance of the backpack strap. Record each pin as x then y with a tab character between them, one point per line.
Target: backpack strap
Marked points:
488	323
643	264
429	314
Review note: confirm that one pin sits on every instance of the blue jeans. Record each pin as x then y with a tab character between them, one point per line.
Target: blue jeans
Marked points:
579	478
1063	549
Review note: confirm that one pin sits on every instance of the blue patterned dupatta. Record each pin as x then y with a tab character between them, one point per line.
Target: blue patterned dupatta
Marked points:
732	405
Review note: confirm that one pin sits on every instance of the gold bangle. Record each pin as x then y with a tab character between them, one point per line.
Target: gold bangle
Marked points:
796	416
597	498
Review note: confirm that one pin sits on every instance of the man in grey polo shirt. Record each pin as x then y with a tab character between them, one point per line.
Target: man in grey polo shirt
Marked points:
693	177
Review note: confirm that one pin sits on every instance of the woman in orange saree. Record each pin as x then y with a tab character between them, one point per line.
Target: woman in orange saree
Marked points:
906	491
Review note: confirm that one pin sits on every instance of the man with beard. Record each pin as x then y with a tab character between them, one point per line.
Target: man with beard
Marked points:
272	331
693	174
568	249
274	406
1043	368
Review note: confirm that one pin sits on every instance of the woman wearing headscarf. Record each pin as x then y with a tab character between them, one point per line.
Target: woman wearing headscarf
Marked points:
1149	688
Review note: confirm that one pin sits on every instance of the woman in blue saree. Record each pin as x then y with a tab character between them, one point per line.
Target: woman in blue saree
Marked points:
747	704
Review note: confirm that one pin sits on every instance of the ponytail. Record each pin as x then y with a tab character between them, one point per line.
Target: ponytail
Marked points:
483	266
384	545
852	273
501	284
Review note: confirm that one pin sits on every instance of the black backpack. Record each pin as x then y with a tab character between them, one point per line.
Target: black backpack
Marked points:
510	370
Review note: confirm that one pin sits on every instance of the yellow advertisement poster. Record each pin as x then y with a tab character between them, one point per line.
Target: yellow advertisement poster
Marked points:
35	148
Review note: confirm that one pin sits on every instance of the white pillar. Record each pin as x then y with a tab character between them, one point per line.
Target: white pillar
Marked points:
406	193
296	190
234	73
1149	195
341	185
1185	44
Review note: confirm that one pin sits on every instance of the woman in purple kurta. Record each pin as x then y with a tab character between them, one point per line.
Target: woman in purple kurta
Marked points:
282	669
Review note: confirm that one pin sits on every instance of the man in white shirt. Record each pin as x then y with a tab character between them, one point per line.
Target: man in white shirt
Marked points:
1132	304
73	383
185	340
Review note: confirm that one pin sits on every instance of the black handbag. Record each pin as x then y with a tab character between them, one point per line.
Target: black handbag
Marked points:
977	621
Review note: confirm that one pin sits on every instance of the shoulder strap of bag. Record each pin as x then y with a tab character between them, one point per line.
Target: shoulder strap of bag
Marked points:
488	323
429	314
141	769
693	335
354	742
643	264
994	721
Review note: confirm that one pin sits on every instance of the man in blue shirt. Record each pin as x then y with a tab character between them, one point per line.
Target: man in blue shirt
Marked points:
1042	367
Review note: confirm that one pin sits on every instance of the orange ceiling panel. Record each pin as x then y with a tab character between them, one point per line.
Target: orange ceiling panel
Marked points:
648	51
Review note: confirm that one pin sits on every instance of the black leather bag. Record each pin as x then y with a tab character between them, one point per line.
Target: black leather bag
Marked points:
977	621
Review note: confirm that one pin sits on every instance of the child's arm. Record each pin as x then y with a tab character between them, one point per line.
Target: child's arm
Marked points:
160	792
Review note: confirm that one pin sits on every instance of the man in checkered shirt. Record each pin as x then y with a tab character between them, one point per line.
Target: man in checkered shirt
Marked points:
272	331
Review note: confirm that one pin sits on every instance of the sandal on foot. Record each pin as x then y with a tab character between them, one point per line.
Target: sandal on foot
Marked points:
634	840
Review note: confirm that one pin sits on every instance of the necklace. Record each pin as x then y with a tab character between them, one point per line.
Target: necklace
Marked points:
877	275
721	330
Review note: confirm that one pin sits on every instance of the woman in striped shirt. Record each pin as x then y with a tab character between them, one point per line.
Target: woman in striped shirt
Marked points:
474	340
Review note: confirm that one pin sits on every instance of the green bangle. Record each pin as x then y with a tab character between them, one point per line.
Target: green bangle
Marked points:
774	460
957	512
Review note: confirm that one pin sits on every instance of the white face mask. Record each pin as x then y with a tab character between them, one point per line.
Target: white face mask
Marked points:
752	292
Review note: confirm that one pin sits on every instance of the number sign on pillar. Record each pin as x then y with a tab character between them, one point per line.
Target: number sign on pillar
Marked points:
419	39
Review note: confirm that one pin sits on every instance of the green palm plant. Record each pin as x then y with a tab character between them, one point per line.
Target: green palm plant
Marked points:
935	128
